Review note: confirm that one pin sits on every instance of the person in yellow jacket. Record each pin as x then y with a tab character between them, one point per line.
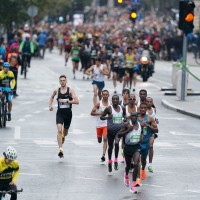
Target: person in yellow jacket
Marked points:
9	171
7	83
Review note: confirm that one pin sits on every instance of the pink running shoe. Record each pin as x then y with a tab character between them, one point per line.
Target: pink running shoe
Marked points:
133	188
126	180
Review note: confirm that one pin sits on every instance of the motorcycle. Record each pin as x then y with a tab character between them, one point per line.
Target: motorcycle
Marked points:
145	65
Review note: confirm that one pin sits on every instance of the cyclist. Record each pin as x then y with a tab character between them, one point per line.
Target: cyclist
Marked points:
9	171
26	49
7	77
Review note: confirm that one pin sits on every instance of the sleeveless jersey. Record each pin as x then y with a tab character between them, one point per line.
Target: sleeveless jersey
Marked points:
99	122
129	61
148	132
116	123
127	113
62	106
153	113
133	137
98	76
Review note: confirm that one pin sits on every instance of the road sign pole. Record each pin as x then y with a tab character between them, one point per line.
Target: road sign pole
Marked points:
183	80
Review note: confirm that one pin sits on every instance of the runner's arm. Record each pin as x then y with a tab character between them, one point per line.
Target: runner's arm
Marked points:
107	111
153	125
89	70
75	98
124	130
51	100
94	110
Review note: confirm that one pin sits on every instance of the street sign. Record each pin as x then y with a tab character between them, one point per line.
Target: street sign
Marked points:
32	11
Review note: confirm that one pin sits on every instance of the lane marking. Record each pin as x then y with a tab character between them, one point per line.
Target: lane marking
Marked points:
46	108
194	191
28	116
83	166
166	194
157	186
17	133
92	179
164	144
36	112
21	120
183	134
172	118
45	142
86	142
29	174
195	144
155	79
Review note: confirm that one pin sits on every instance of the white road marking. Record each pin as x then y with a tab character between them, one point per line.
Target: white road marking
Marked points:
86	142
29	174
165	194
77	131
28	116
42	146
183	134
172	118
92	179
155	79
17	134
83	166
195	144
21	120
164	144
46	108
45	142
157	186
194	191
36	112
82	115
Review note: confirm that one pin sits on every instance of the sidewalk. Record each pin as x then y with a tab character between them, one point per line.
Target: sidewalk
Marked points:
191	105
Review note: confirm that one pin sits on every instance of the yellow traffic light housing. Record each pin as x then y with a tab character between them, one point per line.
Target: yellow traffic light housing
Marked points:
120	1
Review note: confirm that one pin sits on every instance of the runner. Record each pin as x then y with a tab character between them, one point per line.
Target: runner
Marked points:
65	97
151	112
99	72
114	114
125	97
75	52
133	135
101	125
148	126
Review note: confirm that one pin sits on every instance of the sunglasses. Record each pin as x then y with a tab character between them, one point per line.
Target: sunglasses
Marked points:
132	99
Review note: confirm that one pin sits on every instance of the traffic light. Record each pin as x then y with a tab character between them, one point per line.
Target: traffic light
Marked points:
120	1
186	16
133	15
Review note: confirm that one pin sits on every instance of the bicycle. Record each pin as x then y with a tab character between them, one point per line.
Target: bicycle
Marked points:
25	64
5	197
3	107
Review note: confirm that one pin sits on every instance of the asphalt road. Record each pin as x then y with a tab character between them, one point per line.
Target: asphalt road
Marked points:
80	174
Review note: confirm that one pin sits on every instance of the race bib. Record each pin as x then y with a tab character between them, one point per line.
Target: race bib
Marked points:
117	120
135	138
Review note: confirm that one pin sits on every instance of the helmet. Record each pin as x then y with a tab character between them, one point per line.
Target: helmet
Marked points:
11	153
6	64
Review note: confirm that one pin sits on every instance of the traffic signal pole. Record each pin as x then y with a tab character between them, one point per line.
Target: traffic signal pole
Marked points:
183	79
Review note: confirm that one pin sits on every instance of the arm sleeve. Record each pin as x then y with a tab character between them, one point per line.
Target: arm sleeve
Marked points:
13	82
21	46
15	175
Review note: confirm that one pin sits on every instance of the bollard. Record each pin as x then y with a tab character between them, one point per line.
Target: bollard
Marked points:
176	66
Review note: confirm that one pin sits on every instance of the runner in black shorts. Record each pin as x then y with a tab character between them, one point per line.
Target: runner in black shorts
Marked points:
65	97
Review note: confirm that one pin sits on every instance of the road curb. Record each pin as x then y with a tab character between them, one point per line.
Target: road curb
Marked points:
169	106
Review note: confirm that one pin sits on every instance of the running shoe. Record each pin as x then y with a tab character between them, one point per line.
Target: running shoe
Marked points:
110	166
138	182
60	154
123	160
143	175
150	168
103	158
133	188
126	180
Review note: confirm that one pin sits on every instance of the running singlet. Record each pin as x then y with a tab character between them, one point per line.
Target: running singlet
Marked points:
101	123
153	113
63	106
116	123
129	61
133	137
98	76
75	54
127	113
147	133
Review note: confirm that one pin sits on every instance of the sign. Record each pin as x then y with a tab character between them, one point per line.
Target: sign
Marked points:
32	11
